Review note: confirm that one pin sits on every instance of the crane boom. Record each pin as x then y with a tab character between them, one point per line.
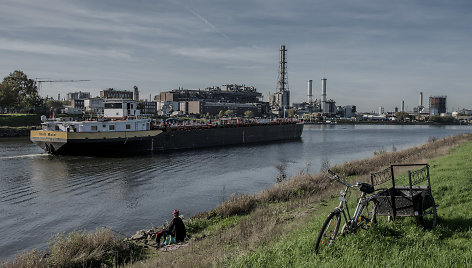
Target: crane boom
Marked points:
53	81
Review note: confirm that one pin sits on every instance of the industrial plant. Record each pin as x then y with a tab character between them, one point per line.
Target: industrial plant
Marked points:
235	98
243	100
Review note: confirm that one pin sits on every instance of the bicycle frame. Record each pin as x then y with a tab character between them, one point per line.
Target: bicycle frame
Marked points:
351	222
329	230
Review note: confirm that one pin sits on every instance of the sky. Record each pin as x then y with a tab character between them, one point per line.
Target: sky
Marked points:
372	52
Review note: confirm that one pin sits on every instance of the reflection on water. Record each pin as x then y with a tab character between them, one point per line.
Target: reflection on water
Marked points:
41	195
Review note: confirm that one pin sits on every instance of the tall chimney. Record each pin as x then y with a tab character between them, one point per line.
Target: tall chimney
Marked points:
310	91
421	98
323	95
403	105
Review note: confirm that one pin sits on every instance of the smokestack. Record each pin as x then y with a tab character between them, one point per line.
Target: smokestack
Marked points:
310	91
323	95
403	105
421	98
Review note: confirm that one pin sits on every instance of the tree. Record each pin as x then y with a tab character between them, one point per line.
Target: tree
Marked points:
7	98
229	112
19	93
443	119
291	113
53	104
221	113
401	116
249	114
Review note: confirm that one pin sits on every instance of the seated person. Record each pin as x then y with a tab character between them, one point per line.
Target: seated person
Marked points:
176	229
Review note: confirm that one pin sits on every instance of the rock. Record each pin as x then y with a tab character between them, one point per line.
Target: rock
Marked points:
139	235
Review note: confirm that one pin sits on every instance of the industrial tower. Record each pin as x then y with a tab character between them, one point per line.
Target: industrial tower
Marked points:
324	107
282	96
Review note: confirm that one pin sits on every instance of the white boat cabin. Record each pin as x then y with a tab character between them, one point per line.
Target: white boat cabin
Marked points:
119	115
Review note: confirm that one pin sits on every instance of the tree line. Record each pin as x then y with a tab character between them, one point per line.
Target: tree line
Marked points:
19	94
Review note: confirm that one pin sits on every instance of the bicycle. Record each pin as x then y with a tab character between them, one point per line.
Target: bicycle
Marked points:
362	217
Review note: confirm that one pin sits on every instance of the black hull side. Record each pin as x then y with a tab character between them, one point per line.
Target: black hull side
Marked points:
198	138
176	140
99	147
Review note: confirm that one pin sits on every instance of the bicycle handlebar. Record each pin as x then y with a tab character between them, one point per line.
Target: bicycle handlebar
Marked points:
334	175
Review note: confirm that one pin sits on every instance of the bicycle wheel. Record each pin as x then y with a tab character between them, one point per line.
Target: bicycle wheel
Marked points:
329	230
429	217
368	216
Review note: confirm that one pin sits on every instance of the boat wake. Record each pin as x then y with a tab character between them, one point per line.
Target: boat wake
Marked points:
22	156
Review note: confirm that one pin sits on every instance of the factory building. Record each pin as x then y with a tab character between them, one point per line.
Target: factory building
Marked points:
77	103
323	106
347	111
94	105
110	93
437	105
77	95
148	107
212	100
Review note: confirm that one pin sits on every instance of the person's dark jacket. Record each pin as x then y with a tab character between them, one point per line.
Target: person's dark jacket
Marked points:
177	228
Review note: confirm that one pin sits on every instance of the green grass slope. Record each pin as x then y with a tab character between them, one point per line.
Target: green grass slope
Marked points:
401	243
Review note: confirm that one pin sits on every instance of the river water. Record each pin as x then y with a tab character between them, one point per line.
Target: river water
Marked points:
42	195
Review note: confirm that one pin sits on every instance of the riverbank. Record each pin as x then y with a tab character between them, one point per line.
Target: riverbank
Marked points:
250	226
18	125
9	132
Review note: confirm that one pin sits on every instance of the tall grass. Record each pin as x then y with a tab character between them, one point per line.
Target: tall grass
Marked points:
81	249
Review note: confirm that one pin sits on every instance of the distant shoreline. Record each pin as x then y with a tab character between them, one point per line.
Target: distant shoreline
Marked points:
343	122
10	132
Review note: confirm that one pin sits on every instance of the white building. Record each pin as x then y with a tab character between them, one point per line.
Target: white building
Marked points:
94	105
119	108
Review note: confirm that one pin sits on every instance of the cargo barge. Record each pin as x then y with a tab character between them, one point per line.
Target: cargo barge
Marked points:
129	134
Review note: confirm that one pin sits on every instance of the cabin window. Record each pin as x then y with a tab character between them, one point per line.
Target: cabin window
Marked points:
112	105
94	128
112	127
56	128
128	126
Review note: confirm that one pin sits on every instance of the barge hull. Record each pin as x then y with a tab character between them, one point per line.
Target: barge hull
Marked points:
168	140
197	138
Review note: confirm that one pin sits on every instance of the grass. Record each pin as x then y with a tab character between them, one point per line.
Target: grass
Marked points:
396	244
278	226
